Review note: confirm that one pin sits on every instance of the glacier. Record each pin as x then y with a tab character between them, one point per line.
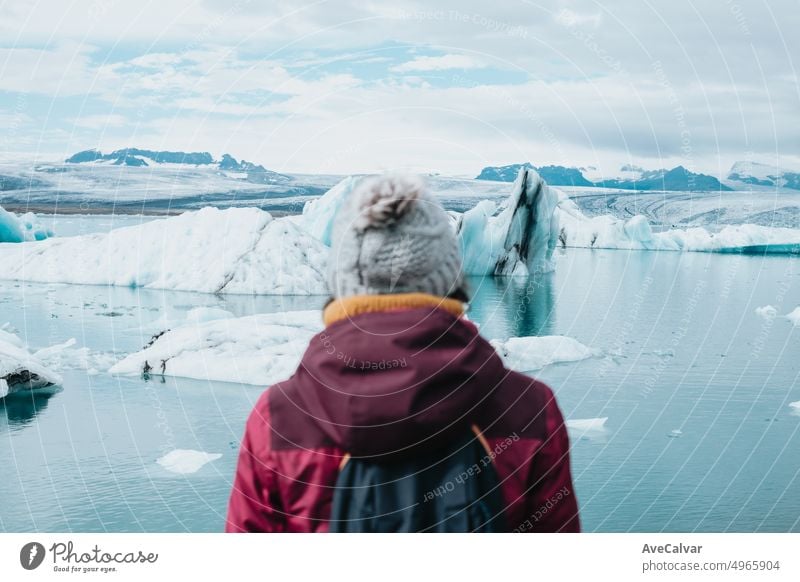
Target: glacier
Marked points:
245	250
21	370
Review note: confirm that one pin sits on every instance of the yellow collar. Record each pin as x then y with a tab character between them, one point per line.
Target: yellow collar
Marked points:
347	307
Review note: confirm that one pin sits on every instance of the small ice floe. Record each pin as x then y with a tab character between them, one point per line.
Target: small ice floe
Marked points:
588	428
186	461
766	312
675	433
794	316
532	353
795	408
19	369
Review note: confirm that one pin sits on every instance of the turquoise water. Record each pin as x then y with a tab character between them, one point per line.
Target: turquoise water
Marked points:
682	350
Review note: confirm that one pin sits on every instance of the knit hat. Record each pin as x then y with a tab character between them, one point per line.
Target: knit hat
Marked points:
391	236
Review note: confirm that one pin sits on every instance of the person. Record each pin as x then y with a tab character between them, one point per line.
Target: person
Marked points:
398	369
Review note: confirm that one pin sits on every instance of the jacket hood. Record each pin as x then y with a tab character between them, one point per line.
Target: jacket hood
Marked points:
382	383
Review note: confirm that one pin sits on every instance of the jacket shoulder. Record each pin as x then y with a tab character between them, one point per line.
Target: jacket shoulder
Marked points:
520	405
292	426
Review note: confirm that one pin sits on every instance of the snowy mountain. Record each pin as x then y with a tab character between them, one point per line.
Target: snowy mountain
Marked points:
678	179
757	174
554	175
135	157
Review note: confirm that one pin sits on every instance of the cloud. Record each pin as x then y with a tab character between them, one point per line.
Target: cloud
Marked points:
101	121
442	63
574	82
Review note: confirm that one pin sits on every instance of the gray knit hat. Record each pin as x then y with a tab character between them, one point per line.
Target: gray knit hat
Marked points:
391	236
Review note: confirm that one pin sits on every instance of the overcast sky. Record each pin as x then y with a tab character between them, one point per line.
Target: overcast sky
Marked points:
450	87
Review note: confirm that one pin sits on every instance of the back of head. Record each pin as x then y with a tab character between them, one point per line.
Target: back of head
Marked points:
392	236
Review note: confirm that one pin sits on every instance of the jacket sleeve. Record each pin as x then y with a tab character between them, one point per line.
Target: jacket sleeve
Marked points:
254	504
552	505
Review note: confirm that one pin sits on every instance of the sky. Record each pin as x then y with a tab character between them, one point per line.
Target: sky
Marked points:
447	86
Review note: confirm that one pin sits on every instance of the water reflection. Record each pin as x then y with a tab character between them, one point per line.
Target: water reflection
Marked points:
514	306
20	408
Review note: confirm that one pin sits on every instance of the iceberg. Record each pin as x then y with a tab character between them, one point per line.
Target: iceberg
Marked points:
766	312
536	352
186	461
636	233
318	215
520	239
16	229
256	349
237	250
19	369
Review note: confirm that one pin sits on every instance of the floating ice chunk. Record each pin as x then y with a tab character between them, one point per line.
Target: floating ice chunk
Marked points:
593	429
256	349
266	348
766	312
794	316
675	433
532	353
795	406
586	424
15	229
20	370
186	461
237	250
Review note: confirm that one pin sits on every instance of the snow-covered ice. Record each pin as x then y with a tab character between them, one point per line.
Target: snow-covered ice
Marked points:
20	369
186	461
65	356
794	316
238	250
536	352
266	348
26	227
256	349
766	311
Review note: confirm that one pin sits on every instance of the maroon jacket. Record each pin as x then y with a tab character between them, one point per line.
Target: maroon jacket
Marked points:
381	384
